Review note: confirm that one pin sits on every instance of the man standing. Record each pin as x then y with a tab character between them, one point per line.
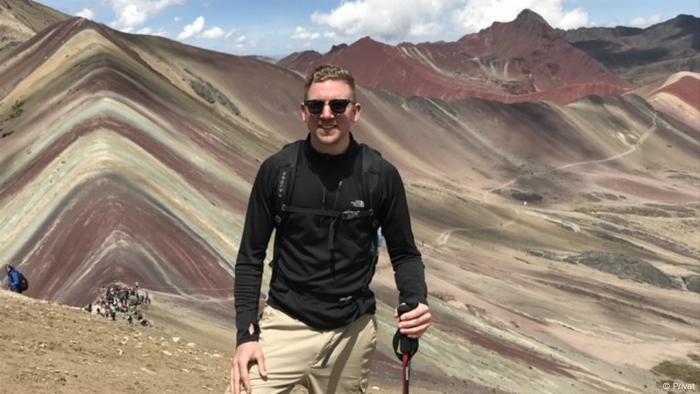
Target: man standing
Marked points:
15	279
326	196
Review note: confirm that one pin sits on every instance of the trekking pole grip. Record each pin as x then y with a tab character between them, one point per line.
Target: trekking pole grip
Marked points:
402	343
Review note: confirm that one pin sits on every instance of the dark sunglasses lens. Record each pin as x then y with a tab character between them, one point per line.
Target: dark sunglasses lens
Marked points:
339	106
315	106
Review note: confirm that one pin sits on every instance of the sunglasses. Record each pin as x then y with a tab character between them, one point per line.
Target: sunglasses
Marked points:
338	106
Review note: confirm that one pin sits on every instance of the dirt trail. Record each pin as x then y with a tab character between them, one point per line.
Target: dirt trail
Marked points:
487	193
444	236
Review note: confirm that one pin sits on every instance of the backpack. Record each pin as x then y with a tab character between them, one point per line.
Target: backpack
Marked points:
371	169
23	282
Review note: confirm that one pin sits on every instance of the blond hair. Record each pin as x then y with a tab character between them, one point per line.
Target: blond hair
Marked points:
327	72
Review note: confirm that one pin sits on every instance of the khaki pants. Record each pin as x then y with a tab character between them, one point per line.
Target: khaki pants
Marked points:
325	362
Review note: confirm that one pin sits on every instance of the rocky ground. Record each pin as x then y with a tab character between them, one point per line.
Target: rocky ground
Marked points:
49	348
52	348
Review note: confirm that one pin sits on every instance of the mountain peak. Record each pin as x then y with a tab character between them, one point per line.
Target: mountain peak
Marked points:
368	43
529	16
686	21
685	17
338	47
366	40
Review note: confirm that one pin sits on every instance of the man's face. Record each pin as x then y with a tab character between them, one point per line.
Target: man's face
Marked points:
330	131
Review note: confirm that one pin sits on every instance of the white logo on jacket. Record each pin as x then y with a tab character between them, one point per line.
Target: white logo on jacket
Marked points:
357	204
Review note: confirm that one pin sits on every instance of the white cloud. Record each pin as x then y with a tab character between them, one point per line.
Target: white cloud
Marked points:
301	33
147	30
425	29
641	21
214	32
196	29
330	34
192	29
240	40
479	14
402	19
86	13
133	13
388	19
236	35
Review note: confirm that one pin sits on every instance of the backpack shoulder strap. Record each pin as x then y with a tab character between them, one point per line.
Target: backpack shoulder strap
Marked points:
288	158
371	172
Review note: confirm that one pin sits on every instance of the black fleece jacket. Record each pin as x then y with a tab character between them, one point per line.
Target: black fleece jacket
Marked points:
325	285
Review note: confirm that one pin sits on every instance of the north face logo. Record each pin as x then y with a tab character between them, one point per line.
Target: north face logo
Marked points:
357	204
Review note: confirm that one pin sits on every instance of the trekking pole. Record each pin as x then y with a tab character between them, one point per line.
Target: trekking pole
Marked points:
405	347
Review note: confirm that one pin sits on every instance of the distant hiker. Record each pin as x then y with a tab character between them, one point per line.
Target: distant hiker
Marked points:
326	196
18	282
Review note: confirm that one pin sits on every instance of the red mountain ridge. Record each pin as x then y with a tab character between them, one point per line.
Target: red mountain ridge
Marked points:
522	60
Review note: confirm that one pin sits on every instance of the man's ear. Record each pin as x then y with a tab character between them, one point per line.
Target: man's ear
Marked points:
304	114
356	111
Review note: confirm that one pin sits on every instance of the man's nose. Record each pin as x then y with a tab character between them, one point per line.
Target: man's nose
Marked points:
327	113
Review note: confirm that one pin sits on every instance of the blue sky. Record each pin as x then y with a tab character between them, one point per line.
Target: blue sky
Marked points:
279	27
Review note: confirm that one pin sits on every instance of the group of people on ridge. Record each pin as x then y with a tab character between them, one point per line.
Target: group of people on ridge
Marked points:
124	300
117	299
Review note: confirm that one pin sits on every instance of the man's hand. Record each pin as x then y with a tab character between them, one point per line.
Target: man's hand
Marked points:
246	354
414	323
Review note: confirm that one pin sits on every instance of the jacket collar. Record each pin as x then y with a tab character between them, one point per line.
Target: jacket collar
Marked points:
316	156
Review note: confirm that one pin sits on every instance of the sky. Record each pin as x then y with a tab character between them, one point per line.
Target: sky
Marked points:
276	28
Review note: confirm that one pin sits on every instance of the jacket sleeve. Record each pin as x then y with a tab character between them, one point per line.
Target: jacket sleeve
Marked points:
396	228
251	253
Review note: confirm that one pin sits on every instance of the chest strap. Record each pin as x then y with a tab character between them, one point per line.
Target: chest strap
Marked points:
336	215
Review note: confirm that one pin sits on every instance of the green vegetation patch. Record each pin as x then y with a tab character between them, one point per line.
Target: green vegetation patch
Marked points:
624	267
679	371
211	94
692	282
17	110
